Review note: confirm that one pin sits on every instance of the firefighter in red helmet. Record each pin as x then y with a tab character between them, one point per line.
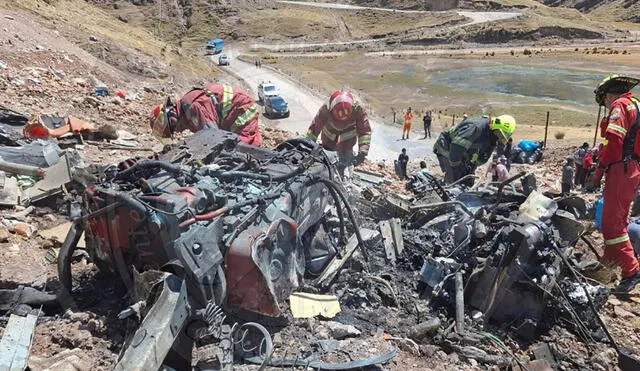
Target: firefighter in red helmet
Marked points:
342	123
217	106
619	160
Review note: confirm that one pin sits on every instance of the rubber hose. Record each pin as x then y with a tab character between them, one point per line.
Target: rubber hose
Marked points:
66	253
167	166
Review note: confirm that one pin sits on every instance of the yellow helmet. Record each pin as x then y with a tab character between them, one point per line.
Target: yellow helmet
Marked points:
505	124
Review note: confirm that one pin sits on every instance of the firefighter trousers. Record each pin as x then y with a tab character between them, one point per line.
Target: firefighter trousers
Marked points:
619	191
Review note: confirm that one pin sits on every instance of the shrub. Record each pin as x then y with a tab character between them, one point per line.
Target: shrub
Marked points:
559	135
527	52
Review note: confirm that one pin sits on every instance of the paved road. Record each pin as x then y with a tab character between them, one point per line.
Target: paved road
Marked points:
386	142
474	18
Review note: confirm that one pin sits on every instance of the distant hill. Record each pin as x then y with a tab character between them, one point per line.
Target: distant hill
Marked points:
616	10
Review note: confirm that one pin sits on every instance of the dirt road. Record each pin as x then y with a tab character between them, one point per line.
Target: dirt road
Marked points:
474	18
303	104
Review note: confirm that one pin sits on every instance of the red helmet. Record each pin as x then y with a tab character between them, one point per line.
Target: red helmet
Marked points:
341	105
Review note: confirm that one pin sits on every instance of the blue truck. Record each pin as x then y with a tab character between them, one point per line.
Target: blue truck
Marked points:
214	46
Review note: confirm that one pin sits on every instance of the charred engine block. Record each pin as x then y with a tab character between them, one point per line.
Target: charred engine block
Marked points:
512	285
231	219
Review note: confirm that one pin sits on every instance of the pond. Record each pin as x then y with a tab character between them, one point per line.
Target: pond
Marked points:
537	83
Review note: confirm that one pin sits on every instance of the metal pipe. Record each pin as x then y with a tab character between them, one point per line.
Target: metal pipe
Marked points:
20	169
468	176
147	164
459	304
439	204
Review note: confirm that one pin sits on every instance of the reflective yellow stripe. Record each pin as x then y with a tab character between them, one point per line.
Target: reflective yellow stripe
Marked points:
364	139
466	143
330	135
227	99
243	119
631	107
618	129
615	241
348	135
311	136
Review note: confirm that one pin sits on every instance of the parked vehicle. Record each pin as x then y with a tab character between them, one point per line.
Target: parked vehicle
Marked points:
224	60
276	106
214	46
267	89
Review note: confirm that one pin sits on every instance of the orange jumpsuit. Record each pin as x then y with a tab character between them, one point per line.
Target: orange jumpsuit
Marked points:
407	124
621	183
341	136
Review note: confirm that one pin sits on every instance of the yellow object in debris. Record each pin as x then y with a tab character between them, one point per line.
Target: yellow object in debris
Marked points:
305	305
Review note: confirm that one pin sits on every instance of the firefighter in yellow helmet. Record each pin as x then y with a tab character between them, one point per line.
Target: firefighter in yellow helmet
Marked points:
461	149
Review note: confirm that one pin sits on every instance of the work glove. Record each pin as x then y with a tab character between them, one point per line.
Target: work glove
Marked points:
359	159
597	177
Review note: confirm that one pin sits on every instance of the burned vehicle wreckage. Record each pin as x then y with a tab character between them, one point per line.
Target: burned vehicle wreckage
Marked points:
214	229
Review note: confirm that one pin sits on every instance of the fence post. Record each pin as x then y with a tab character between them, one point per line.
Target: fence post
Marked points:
595	135
546	129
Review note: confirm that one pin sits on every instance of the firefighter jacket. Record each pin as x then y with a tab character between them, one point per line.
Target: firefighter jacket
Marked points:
467	145
342	135
617	128
223	107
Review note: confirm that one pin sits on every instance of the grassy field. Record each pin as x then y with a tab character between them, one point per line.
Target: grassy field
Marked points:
332	24
395	83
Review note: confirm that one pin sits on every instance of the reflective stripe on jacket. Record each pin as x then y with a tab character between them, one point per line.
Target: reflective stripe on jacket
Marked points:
357	126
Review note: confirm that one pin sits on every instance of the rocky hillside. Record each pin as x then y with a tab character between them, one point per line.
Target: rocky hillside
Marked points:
618	10
410	4
186	22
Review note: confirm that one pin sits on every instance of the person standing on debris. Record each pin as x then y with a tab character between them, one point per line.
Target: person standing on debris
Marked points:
408	116
343	122
212	106
424	169
501	169
461	149
427	124
619	160
567	176
493	168
578	157
403	160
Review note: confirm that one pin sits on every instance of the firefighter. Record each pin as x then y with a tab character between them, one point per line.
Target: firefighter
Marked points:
343	122
461	149
408	116
619	161
217	106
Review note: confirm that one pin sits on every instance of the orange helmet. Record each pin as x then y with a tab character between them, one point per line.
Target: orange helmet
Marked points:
341	105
